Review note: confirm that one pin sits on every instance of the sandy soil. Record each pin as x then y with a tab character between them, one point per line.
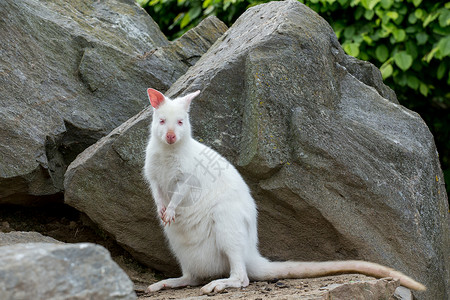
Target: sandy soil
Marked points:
311	288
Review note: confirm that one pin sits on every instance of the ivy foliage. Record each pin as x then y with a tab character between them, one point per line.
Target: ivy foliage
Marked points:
409	40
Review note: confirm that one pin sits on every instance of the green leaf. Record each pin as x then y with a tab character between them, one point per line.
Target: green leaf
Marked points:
386	4
338	27
382	53
369	4
208	10
401	79
185	21
412	19
206	3
441	31
349	32
195	12
368	40
417	2
352	49
368	14
441	71
359	12
176	21
142	3
226	4
430	18
419	13
423	89
444	18
411	29
444	46
363	56
403	60
429	56
403	10
421	38
399	35
386	70
412	50
413	82
392	14
358	39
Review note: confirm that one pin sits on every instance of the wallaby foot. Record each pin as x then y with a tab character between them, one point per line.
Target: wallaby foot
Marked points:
221	284
172	283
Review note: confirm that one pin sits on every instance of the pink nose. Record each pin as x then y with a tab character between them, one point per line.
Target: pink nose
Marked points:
171	137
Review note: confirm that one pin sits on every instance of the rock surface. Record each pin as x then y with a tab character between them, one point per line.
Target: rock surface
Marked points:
124	208
338	168
18	237
70	72
69	271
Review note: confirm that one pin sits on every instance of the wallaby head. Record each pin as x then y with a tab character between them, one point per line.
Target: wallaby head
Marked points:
170	117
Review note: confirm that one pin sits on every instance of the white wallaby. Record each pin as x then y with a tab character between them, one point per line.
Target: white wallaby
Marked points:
209	216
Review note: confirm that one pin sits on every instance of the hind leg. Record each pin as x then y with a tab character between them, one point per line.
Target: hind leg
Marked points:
235	236
238	277
171	283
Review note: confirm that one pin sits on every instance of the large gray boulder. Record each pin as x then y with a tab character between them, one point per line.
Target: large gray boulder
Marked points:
71	71
61	271
338	168
108	174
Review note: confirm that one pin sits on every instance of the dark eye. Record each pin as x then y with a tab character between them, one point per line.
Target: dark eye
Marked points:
162	121
180	122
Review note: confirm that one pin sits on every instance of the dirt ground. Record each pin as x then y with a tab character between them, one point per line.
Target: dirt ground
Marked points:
305	289
65	224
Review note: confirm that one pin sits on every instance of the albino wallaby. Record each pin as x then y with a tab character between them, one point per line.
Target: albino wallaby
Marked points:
209	216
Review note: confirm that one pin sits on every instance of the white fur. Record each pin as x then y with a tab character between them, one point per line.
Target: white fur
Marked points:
209	216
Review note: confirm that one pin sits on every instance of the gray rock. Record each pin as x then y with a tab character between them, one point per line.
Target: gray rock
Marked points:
123	207
362	290
338	168
18	237
402	293
194	43
72	72
69	271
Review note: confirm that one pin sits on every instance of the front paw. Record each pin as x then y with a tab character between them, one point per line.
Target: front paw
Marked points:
161	210
168	215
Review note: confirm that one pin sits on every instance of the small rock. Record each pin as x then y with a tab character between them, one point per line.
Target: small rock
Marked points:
402	293
5	227
281	284
72	225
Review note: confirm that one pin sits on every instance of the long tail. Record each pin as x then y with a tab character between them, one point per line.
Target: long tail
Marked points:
262	269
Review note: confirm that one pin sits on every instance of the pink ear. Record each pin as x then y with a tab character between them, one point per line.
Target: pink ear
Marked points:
156	98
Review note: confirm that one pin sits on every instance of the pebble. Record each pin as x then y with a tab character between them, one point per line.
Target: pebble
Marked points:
280	284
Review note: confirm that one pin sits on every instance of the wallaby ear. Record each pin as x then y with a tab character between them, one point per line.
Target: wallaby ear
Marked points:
155	97
188	99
